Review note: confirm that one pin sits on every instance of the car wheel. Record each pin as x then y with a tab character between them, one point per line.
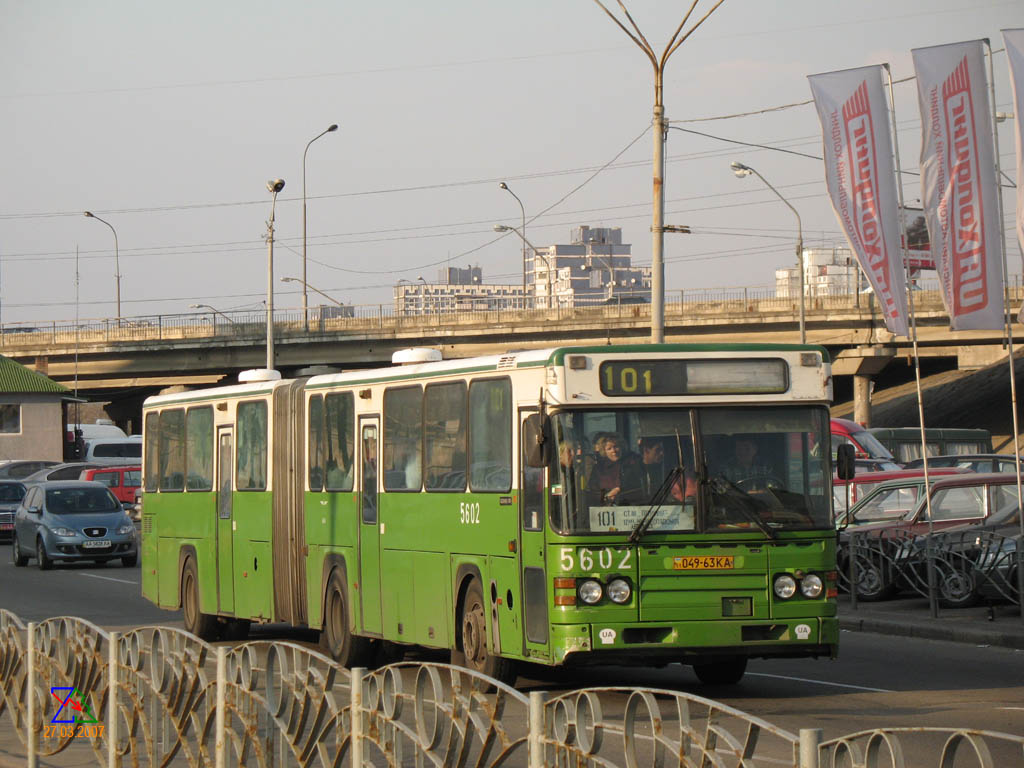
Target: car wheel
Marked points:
129	561
202	625
957	588
45	563
724	672
871	584
473	653
17	556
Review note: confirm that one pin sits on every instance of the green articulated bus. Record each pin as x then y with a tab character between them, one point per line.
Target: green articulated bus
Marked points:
642	504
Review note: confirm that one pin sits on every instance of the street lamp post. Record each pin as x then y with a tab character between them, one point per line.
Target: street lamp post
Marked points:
505	186
659	129
273	186
212	309
312	288
305	300
536	254
117	261
742	170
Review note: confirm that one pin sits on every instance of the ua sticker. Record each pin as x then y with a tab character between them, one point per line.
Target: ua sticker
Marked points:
607	636
802	631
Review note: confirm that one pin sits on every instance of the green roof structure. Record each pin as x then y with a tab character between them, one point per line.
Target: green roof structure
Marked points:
15	378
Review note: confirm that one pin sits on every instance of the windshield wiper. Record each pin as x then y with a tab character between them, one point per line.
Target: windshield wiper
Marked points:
656	501
732	488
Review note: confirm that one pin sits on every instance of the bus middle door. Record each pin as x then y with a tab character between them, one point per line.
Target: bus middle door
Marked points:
369	527
225	522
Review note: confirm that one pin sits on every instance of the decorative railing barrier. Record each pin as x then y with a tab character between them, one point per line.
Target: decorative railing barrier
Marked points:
967	566
75	694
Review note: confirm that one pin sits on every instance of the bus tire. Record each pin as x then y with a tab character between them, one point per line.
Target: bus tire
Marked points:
202	625
727	671
472	651
336	638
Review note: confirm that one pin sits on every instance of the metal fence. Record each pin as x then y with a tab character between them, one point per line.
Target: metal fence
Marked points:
954	569
680	306
75	694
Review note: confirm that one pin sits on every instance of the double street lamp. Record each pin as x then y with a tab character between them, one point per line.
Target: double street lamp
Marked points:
305	300
742	170
536	254
117	261
212	309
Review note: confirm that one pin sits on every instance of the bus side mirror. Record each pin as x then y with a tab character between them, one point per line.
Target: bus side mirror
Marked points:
537	440
845	465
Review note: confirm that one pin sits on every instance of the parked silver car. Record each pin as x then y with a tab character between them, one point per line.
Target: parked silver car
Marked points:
69	520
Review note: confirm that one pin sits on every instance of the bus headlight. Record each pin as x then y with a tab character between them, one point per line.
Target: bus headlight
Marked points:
619	591
811	585
785	586
590	591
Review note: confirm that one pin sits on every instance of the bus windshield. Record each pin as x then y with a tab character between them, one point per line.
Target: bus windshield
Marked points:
690	470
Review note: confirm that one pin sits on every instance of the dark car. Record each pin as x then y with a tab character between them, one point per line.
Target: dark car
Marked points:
891	548
17	469
976	462
68	520
862	483
11	494
71	470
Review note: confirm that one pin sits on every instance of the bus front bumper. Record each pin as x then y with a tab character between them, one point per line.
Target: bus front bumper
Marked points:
692	641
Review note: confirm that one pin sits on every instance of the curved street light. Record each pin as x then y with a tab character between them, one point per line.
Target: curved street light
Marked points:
536	253
312	288
117	260
741	171
273	186
305	301
212	309
505	186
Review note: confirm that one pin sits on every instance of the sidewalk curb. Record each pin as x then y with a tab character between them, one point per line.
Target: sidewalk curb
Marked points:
933	629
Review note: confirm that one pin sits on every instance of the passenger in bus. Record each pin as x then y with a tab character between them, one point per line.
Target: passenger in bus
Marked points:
568	475
613	473
653	473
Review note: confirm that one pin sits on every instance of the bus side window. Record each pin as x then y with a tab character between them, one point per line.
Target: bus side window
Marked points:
532	491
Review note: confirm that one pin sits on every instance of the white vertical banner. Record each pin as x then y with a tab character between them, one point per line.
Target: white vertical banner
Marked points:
1014	40
958	182
861	180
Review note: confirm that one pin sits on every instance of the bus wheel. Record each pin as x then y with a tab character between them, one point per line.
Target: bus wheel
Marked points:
336	638
723	672
202	625
473	653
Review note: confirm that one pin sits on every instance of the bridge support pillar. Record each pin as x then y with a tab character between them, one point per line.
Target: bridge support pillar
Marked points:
862	399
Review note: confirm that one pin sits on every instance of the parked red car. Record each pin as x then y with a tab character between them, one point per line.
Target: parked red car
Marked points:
865	445
122	481
864	482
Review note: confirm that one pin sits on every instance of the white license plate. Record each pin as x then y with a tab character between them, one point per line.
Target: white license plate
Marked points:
96	544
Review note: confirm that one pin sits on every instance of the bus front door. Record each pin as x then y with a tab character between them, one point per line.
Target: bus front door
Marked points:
225	555
369	527
532	493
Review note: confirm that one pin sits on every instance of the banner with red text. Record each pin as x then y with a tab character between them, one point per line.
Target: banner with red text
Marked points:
1014	39
861	180
958	182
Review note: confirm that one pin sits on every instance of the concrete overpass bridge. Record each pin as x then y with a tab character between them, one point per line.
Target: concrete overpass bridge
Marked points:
125	362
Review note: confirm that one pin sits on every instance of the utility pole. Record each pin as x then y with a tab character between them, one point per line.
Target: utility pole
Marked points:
658	126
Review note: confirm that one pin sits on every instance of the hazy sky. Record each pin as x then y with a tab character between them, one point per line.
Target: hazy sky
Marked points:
167	120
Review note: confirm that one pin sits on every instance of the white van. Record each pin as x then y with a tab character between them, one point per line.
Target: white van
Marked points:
114	450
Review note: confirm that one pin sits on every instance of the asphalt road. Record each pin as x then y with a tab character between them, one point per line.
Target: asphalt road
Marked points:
877	681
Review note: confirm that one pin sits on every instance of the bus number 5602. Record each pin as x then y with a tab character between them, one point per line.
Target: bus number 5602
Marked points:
469	513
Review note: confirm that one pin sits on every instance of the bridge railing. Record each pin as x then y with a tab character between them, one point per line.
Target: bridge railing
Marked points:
685	305
75	694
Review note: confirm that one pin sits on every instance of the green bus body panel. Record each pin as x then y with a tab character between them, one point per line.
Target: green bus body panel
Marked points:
253	562
330	530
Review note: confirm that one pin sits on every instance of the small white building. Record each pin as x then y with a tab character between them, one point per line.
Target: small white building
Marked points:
827	272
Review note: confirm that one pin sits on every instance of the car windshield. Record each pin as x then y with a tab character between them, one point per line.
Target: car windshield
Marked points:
870	443
69	501
11	493
692	470
886	504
